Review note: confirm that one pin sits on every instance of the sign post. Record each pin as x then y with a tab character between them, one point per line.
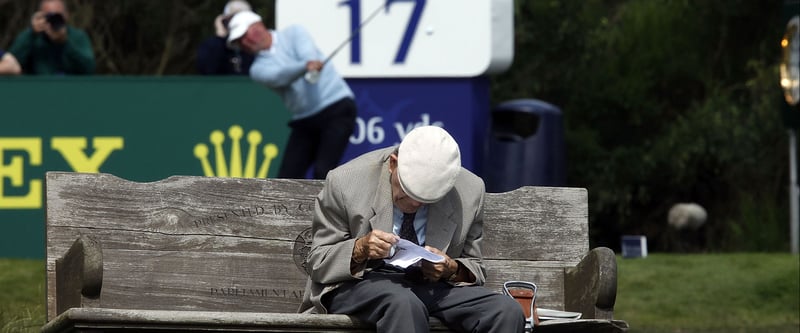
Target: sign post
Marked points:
790	82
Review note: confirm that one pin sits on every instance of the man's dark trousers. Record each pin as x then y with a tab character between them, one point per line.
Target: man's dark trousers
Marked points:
395	304
319	140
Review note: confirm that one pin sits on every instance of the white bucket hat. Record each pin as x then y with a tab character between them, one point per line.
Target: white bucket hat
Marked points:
428	163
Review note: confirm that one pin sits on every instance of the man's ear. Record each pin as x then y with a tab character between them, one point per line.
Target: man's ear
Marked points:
392	162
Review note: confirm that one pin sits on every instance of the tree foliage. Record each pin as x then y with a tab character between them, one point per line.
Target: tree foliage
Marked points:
664	102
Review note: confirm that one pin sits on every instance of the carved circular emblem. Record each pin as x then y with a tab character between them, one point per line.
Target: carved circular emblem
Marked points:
302	245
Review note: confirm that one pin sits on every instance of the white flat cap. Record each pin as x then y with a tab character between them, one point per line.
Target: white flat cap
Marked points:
240	23
428	162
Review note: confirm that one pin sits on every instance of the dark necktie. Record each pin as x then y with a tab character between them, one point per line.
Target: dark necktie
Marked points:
407	231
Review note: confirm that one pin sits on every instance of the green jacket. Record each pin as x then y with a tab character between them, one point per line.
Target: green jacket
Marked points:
38	55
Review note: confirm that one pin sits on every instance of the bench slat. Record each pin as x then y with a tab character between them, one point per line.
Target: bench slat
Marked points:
114	320
137	279
537	223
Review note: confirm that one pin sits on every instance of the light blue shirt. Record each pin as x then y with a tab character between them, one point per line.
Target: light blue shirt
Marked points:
283	65
420	222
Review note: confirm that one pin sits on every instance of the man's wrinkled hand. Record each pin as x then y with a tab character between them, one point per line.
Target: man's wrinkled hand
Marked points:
374	245
435	271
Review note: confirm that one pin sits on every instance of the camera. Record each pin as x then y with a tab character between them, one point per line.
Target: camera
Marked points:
56	20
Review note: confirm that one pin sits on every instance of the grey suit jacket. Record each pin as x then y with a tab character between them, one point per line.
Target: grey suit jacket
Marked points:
357	198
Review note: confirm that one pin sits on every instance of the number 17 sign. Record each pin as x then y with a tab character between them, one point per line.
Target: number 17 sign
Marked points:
407	38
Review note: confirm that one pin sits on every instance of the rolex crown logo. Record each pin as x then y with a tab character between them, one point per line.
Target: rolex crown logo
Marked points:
236	133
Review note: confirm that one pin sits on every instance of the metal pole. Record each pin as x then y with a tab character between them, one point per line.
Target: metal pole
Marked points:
794	192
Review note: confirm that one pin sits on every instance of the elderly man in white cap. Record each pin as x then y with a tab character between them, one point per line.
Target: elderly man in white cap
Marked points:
323	113
419	192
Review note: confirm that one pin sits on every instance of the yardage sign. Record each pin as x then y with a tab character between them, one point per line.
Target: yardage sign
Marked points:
408	38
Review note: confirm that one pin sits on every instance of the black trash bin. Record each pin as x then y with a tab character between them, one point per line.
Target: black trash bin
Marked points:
525	146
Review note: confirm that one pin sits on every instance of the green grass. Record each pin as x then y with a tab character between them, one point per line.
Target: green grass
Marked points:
662	293
751	292
22	295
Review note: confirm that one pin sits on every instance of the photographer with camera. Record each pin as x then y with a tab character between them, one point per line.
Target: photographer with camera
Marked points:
51	46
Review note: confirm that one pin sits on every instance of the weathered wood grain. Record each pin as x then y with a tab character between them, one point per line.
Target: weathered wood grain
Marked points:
189	242
537	223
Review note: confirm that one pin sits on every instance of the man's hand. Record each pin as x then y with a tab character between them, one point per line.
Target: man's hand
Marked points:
314	66
374	245
435	271
219	27
38	22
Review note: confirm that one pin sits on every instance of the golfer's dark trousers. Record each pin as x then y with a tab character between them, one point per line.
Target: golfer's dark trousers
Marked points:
395	304
319	140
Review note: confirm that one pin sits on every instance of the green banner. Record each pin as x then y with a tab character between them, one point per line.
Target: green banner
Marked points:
137	128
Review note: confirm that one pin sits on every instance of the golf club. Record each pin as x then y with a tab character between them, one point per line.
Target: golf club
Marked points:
313	76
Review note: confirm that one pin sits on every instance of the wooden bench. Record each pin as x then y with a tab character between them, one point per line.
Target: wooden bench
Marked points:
228	254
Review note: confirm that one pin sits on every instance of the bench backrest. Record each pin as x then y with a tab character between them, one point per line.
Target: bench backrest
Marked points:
237	244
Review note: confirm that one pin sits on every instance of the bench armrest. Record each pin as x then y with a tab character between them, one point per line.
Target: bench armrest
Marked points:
79	275
591	286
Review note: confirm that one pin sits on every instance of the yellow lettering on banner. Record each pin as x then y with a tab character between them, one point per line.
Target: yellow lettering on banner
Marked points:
15	172
72	148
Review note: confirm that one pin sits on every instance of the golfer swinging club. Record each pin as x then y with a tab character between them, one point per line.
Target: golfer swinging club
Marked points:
322	115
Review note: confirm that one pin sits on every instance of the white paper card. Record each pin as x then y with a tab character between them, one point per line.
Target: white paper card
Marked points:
407	253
